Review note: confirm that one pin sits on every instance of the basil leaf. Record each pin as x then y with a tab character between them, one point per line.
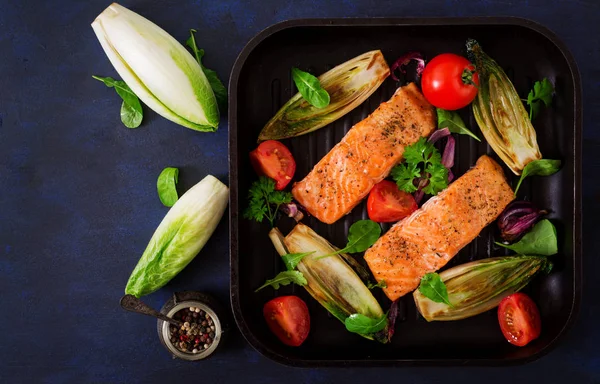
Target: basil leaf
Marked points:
310	88
167	193
131	108
454	123
361	235
213	79
542	167
291	260
434	288
130	116
541	240
357	323
285	278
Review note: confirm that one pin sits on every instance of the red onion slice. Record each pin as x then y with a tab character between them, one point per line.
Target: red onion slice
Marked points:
404	60
392	315
517	219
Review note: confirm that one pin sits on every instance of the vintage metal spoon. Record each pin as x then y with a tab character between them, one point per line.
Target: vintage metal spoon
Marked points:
133	304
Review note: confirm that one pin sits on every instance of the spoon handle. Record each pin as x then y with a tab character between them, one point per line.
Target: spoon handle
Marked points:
133	304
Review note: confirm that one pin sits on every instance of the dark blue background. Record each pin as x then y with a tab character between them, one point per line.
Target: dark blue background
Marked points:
78	201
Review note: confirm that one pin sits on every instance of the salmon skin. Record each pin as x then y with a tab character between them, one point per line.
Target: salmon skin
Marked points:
366	155
426	240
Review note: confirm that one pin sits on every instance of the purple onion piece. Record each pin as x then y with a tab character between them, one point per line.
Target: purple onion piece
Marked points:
518	218
392	315
419	193
404	60
450	175
438	134
448	156
292	210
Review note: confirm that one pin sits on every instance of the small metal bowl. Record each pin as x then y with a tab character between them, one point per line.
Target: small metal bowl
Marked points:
182	300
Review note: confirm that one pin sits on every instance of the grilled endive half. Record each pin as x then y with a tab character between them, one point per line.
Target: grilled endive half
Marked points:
348	85
500	113
481	285
331	281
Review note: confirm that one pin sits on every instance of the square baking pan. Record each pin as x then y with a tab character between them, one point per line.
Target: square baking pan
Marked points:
261	83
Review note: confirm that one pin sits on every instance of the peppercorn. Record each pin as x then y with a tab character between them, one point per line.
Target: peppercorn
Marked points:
197	332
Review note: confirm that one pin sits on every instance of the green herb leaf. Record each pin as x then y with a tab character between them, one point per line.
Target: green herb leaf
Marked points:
404	175
438	179
167	192
310	88
265	200
434	288
541	93
381	284
131	108
285	278
454	123
361	235
130	116
361	324
291	260
542	167
215	83
422	152
541	240
421	160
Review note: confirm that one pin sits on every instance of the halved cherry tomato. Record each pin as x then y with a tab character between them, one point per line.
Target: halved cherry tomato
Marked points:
449	81
288	319
386	203
519	319
274	160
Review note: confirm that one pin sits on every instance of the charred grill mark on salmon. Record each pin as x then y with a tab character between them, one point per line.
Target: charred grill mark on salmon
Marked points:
426	240
366	155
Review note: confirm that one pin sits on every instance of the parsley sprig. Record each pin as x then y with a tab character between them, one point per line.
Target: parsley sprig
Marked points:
541	93
422	160
265	200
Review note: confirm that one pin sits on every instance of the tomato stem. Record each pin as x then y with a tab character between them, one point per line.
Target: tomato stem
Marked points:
467	77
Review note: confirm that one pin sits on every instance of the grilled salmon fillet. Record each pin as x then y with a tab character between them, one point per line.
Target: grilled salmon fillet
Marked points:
426	240
365	155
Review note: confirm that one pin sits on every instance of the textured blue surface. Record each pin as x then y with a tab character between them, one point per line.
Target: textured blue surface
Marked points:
78	201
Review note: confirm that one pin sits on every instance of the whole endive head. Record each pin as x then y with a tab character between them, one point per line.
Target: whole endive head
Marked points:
159	70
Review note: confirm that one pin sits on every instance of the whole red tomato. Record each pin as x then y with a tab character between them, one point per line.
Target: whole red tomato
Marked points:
449	81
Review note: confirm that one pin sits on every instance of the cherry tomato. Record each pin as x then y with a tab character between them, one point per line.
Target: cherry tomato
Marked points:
519	319
288	319
274	160
448	81
386	203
